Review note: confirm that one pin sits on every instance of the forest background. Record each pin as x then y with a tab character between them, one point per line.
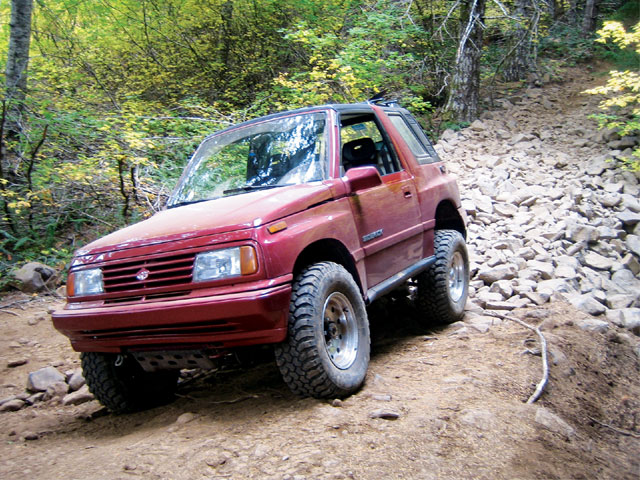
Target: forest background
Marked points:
105	100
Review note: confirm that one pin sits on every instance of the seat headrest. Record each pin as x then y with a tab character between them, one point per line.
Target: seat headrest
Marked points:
356	153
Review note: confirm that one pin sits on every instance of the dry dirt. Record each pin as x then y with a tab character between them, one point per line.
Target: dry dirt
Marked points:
459	399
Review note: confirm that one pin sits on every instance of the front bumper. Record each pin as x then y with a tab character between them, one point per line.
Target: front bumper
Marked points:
208	322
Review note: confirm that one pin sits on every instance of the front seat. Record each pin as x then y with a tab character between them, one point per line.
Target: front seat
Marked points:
359	152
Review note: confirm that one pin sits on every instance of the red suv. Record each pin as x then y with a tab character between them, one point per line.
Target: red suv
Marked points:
280	231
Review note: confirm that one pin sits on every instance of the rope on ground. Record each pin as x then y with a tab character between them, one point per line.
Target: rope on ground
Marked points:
543	349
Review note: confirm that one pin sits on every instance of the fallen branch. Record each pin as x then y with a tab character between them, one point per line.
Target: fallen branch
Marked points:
17	302
628	433
235	400
9	311
543	348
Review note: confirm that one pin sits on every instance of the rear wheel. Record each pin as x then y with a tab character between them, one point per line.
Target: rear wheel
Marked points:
443	288
326	353
119	383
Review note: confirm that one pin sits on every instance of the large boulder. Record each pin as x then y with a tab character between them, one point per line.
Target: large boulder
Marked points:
35	277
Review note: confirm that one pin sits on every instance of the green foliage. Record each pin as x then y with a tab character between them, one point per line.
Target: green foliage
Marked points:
628	14
375	52
455	126
567	44
621	103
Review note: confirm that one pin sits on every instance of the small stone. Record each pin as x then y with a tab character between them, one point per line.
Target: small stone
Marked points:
593	325
17	362
505	209
40	380
30	436
381	398
565	271
554	423
501	306
83	395
336	402
482	324
537	298
579	233
35	398
56	391
633	244
503	272
620	300
628	318
76	380
630	262
598	262
469	207
185	418
384	414
546	269
625	280
503	287
12	405
628	217
587	304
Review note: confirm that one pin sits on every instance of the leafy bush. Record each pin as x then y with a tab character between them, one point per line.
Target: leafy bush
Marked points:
621	103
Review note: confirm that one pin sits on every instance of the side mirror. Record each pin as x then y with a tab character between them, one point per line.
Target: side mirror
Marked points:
362	178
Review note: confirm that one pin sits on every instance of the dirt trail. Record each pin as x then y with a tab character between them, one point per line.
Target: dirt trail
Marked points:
451	402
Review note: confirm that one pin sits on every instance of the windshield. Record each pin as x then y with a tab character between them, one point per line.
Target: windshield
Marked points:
284	151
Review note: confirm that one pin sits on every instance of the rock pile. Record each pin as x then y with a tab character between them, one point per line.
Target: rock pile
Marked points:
49	384
551	215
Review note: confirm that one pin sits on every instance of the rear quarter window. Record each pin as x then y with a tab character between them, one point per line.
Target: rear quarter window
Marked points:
415	137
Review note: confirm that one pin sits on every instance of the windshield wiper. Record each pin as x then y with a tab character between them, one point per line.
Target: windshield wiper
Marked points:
189	202
246	188
251	188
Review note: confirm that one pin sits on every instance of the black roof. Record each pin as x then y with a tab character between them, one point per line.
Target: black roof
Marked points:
362	107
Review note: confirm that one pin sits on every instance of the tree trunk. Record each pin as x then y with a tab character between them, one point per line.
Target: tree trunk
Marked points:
521	61
465	87
17	62
572	13
590	17
18	54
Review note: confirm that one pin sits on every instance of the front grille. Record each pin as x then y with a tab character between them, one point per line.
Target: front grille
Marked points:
146	274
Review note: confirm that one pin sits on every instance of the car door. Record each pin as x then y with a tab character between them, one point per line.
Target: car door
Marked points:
387	216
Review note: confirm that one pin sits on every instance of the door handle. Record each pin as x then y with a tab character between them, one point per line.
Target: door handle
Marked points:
407	193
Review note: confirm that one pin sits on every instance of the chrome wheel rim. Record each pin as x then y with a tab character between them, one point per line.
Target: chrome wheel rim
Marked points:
457	277
340	330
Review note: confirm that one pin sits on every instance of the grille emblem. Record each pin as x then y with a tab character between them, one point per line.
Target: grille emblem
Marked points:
142	274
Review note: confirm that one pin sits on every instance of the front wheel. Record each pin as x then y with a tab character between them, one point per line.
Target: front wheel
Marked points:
326	353
443	288
119	383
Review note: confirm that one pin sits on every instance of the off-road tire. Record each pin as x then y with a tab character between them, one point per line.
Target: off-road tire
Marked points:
121	385
326	353
443	288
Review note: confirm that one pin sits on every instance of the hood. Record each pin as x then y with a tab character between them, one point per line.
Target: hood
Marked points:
221	215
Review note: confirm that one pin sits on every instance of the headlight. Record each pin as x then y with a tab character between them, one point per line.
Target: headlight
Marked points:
85	282
228	262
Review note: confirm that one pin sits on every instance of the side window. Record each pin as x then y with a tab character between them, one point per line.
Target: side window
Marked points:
362	144
409	136
419	132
